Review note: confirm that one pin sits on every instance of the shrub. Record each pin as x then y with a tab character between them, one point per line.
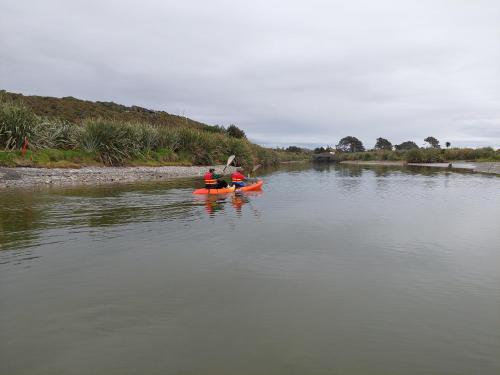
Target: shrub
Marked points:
414	156
235	132
168	138
16	123
432	155
111	141
54	134
241	149
147	137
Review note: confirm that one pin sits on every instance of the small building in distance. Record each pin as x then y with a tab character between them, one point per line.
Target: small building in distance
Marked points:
324	157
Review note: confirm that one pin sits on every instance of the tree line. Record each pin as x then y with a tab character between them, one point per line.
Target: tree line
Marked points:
353	144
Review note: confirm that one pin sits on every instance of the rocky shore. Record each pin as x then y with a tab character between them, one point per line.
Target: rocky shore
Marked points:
27	177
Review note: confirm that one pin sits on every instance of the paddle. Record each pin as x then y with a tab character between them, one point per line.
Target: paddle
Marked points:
229	161
255	168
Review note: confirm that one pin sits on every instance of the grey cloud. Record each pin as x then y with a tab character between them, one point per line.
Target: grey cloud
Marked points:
285	71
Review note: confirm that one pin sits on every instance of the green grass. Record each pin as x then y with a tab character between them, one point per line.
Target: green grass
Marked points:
8	159
48	158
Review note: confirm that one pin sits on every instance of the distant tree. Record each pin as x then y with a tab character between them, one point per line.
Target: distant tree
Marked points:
350	144
383	144
408	145
433	142
293	149
448	144
320	150
235	132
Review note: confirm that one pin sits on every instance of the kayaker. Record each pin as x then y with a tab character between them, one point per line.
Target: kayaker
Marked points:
238	178
214	180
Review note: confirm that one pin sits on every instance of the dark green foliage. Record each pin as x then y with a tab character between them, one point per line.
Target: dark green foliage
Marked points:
430	155
448	144
320	150
350	144
293	149
235	132
433	142
427	155
408	145
485	153
414	156
215	129
371	155
383	144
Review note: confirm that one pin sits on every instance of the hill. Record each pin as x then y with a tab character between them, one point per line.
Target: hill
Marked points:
75	110
72	132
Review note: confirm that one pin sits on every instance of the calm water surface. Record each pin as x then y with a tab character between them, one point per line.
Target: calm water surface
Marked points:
330	270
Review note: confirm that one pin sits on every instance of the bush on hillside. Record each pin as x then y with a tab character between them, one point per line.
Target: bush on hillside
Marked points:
235	132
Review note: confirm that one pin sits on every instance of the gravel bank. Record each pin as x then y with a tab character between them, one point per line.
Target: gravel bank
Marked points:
26	177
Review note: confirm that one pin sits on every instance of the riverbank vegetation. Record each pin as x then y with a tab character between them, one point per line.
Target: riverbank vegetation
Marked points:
31	139
350	148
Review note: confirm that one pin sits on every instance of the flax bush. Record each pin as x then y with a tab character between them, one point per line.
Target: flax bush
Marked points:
55	134
16	123
113	142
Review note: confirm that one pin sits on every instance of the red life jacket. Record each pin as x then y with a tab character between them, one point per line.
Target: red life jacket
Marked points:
237	177
209	179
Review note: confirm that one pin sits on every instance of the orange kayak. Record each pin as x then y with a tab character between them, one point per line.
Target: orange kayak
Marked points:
255	186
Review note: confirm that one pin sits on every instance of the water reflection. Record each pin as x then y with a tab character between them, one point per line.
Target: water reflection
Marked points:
337	269
21	216
215	204
26	214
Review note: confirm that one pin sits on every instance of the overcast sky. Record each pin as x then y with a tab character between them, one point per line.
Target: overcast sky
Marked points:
287	72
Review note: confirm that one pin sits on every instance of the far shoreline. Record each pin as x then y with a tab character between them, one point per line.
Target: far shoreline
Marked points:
492	168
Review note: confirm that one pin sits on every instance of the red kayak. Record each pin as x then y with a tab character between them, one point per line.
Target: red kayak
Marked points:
253	187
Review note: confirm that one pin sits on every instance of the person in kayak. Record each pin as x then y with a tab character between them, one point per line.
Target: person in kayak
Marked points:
238	178
214	180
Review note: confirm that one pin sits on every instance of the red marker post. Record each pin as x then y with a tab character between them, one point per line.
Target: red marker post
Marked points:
24	147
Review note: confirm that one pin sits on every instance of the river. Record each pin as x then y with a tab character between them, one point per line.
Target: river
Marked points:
329	270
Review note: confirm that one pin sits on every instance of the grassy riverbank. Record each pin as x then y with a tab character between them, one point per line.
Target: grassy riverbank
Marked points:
423	155
56	142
